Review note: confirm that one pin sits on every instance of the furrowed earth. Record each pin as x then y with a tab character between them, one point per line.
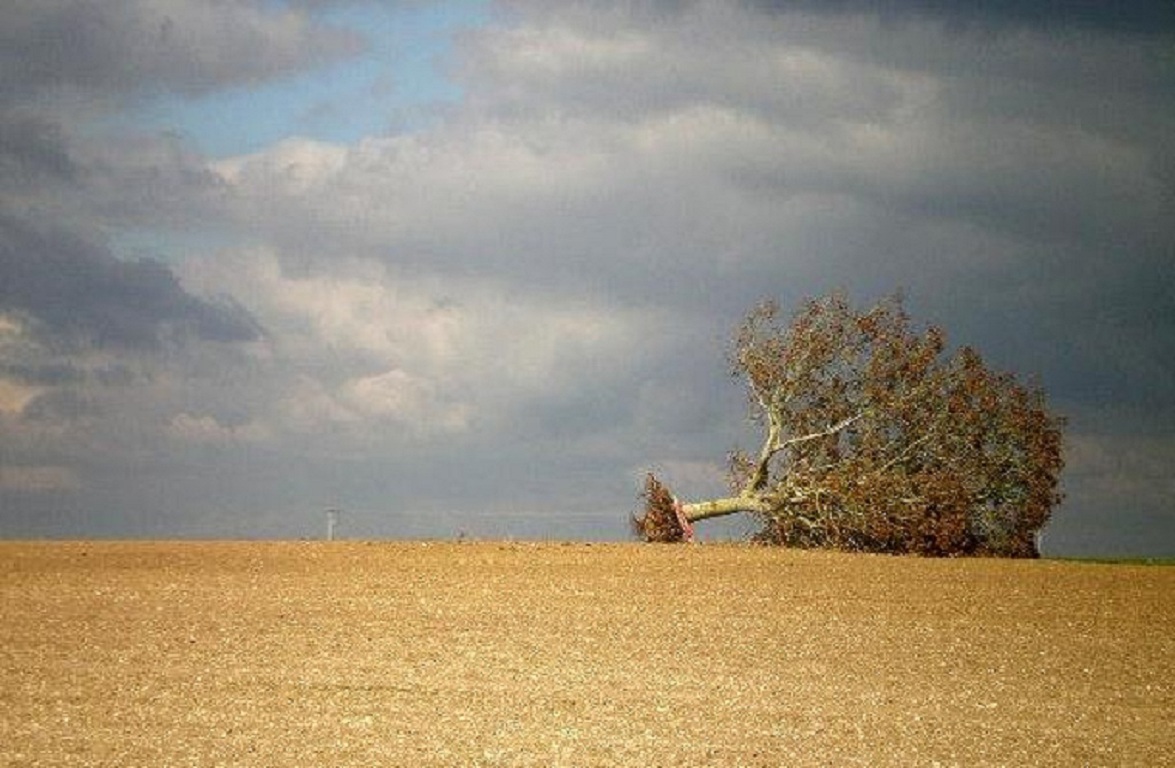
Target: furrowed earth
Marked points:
513	654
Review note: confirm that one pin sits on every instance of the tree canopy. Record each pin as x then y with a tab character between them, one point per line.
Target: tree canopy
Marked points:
875	439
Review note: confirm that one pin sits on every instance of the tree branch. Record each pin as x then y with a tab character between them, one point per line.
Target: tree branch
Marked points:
826	433
772	445
905	454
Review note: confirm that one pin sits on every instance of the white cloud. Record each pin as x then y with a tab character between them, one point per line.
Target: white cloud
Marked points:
14	396
716	54
308	406
407	401
357	346
207	429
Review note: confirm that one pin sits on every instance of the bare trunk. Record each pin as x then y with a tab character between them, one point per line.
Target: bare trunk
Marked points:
704	510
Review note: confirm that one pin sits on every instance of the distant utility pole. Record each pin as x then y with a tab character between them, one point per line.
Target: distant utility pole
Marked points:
332	519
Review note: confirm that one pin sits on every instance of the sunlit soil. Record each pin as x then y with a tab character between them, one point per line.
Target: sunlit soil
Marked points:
410	654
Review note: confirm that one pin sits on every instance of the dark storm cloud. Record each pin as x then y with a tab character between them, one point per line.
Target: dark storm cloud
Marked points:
78	291
59	61
154	182
1142	17
42	374
125	47
32	149
60	406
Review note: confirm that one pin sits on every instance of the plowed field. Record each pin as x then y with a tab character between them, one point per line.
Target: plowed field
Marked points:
412	654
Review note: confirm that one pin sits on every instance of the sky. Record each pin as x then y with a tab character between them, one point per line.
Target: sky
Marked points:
472	267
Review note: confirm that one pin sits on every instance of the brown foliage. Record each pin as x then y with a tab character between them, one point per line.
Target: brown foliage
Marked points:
659	521
878	441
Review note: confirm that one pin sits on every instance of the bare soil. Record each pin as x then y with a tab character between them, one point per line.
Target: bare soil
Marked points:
506	654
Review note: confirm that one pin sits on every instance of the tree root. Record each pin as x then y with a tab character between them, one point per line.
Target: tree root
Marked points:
663	520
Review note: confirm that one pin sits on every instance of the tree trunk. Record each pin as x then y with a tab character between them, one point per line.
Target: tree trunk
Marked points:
704	510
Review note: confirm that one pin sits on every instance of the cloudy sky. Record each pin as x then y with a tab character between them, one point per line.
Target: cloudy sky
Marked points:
472	266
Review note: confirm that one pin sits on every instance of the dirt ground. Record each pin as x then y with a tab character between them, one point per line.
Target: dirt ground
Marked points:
509	654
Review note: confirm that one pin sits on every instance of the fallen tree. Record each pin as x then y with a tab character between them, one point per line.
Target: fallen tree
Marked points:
876	440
